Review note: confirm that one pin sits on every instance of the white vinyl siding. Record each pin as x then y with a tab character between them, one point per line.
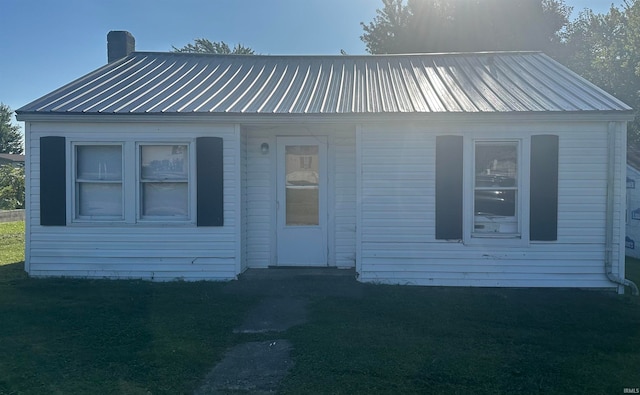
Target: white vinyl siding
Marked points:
133	250
260	200
243	201
381	193
344	204
398	212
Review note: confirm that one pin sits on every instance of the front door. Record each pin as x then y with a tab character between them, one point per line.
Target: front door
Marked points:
302	201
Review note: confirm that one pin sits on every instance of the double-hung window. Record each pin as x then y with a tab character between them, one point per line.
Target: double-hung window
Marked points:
98	182
132	182
162	185
164	181
497	188
496	194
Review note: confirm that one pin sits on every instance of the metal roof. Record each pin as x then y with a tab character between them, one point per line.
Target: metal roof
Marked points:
157	83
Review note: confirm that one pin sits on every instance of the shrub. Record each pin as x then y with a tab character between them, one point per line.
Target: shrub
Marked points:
11	187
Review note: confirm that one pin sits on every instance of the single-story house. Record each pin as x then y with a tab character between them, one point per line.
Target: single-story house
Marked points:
463	169
15	160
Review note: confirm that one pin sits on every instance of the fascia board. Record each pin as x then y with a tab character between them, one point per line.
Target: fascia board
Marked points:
262	119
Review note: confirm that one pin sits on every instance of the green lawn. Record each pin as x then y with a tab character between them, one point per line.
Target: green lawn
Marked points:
11	242
64	336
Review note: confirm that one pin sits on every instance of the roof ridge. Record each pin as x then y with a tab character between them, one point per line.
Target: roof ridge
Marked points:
369	56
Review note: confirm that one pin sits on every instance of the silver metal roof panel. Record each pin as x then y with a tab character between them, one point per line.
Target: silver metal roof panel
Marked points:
156	83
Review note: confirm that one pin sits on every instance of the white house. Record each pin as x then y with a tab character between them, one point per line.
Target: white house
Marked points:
478	169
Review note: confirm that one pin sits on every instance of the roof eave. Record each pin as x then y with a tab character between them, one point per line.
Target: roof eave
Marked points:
245	118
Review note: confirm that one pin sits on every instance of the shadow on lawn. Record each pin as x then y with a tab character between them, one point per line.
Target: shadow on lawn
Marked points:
632	271
116	336
468	340
12	271
62	335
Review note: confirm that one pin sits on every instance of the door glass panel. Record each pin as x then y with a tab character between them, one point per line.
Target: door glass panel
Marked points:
302	182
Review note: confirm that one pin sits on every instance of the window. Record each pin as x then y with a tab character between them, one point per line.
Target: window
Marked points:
495	188
164	181
132	182
103	193
98	182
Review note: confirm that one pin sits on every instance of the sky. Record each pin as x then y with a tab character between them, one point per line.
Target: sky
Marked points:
45	44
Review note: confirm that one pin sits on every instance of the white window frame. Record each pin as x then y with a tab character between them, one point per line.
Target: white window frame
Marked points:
521	236
131	185
75	191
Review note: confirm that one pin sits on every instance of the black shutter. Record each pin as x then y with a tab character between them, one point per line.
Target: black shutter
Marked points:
210	185
449	187
543	218
53	184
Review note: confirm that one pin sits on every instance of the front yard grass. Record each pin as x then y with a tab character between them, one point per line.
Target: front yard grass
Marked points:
11	242
461	340
66	336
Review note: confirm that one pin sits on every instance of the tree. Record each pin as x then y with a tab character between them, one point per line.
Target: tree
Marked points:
10	137
465	25
202	45
11	187
604	50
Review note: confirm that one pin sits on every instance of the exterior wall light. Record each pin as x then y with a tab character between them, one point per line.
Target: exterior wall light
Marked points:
264	148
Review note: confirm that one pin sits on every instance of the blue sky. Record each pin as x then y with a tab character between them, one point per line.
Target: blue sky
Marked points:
45	44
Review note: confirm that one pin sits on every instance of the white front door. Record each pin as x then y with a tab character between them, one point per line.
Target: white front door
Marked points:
302	201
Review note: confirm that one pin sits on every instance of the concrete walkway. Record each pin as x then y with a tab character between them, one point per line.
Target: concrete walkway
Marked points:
251	368
275	314
302	282
259	367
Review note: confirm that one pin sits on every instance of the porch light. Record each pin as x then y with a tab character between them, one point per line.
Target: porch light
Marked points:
264	148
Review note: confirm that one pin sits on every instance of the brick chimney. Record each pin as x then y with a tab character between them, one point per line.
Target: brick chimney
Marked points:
120	43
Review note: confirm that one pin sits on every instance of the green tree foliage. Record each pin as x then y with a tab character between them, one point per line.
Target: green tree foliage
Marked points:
605	49
466	25
10	137
11	187
202	45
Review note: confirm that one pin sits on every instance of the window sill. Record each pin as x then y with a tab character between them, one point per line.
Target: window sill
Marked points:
496	240
142	224
496	236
